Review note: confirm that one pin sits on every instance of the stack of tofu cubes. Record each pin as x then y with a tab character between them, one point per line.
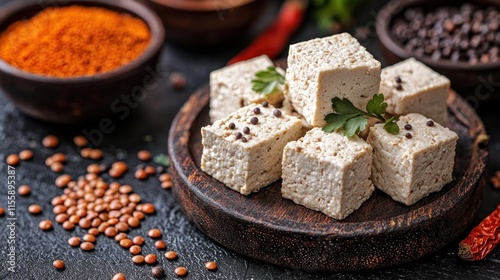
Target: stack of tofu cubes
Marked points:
252	142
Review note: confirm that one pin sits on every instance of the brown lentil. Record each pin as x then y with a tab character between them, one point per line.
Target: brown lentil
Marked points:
277	113
165	177
85	152
430	123
96	154
57	167
119	276
150	170
49	161
94	168
50	141
125	189
212	266
138	215
26	155
2	211
144	155
87	246
74	241
74	219
61	218
24	190
94	231
121	226
58	209
135	249
12	159
63	180
45	225
89	238
58	264
85	223
158	272
181	271
110	232
133	222
150	259
148	208
68	225
126	243
254	120
177	80
171	255
120	236
103	226
35	209
168	184
160	245
154	233
138	259
140	174
80	141
138	240
59	157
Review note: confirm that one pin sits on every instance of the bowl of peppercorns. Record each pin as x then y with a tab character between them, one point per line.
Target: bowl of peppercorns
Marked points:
459	39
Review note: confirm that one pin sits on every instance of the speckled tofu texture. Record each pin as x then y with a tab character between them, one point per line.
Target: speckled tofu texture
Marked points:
423	90
231	87
335	66
248	166
410	169
327	172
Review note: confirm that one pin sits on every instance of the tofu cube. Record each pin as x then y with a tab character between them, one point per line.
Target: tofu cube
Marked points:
412	87
335	66
327	172
244	149
231	87
409	169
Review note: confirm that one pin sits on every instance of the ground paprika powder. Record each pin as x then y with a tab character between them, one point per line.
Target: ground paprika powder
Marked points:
74	41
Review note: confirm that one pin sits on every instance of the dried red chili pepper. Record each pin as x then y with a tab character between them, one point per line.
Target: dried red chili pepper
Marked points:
482	239
272	41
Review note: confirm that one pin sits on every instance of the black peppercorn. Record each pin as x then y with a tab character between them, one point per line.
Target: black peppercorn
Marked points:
256	110
265	104
254	120
398	80
246	130
277	113
158	272
408	136
244	139
239	135
407	126
430	123
232	126
399	87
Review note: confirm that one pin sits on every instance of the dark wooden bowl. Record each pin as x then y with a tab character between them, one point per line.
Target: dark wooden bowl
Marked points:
74	100
477	82
381	233
207	23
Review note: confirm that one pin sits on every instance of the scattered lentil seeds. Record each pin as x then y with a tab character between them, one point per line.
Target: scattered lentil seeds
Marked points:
110	232
138	240
495	180
212	266
119	276
150	170
24	190
58	264
87	246
148	208
63	180
96	154
74	241
50	141
133	222
144	155
89	238
59	157
166	185
94	168
45	225
138	259
154	233
160	245
80	141
158	272
26	155
120	236
57	167
126	243
35	209
150	259
181	271
68	225
12	159
135	249
171	255
140	174
2	211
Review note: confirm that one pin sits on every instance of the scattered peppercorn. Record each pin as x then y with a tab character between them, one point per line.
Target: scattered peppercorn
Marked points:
150	259
58	264
265	104
256	110
24	190
35	209
135	249
74	241
246	130
212	266
12	159
254	120
408	126
50	141
232	125
144	155
119	276
87	246
277	113
238	135
244	139
398	80
177	80
45	225
160	245
399	87
158	272
171	255
154	233
181	271
26	155
408	136
430	123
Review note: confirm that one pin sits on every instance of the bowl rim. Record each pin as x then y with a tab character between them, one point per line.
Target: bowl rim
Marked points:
137	9
395	7
200	5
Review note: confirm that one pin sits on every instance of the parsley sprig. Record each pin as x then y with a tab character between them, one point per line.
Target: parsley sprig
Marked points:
353	120
266	81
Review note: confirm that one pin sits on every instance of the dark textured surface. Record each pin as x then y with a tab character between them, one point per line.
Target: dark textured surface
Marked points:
36	249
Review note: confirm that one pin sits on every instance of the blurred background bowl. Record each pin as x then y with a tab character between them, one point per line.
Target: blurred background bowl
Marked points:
207	22
467	79
81	99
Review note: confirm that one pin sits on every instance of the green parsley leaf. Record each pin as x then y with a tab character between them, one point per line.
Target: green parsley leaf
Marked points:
162	159
336	121
376	105
355	125
391	126
266	81
344	106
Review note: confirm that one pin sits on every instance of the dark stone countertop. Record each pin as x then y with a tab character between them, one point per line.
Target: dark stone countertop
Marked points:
35	250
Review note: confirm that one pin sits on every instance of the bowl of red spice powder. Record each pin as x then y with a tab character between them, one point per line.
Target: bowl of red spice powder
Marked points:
73	62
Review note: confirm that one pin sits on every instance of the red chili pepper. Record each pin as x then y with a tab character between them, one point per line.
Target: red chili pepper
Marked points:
482	239
272	41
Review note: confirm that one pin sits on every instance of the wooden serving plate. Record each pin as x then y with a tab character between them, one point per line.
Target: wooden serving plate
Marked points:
269	228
